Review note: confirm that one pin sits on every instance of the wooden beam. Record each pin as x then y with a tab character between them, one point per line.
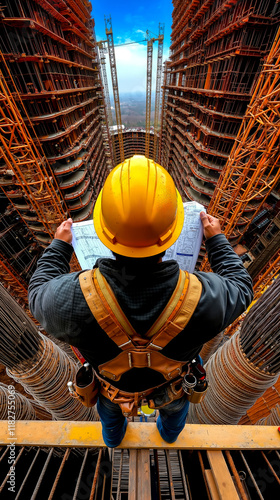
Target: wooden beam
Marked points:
139	475
211	485
222	477
141	435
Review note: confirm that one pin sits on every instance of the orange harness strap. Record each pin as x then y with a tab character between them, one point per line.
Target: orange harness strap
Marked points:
137	351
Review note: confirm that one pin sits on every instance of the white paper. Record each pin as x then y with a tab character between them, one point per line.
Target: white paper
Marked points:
186	249
89	248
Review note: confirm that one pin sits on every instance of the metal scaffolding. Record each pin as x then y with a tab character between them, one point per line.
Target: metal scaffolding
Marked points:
20	155
252	170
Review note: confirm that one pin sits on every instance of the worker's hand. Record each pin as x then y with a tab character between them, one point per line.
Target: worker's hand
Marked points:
211	225
63	231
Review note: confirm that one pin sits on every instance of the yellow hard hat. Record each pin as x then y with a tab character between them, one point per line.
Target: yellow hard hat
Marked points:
139	212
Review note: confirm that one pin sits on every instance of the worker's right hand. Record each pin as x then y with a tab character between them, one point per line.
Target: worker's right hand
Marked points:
63	231
211	225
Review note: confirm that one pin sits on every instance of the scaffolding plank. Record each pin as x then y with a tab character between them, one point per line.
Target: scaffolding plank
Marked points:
222	477
211	485
139	435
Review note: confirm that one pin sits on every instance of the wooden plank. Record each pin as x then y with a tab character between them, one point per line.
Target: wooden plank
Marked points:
142	435
222	477
132	484
143	475
211	485
139	487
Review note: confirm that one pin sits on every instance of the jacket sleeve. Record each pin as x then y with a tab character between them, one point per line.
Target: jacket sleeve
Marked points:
55	297
227	292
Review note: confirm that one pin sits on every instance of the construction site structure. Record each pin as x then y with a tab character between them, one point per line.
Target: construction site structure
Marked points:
53	105
53	110
134	142
217	54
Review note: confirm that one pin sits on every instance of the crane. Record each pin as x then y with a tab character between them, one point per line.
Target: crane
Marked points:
150	42
158	87
103	50
113	66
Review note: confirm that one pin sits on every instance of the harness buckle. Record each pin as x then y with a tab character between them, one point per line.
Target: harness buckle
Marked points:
139	359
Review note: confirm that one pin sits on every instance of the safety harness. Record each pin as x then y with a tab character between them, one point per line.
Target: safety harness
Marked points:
139	351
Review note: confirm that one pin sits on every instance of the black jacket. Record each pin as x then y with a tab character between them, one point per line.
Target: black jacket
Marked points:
57	302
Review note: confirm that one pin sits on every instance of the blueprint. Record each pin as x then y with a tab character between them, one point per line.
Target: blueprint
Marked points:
87	245
186	249
89	248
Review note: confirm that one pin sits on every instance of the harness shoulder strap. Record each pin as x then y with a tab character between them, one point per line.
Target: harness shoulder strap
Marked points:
138	352
103	315
173	319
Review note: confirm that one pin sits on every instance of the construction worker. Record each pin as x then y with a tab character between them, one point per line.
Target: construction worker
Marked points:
137	320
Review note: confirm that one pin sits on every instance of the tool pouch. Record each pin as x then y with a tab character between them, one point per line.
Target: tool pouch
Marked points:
165	395
85	387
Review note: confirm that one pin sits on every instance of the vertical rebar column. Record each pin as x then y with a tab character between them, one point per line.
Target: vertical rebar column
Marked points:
245	366
23	408
38	364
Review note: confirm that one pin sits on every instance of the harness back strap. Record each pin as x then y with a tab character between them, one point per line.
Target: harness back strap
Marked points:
143	352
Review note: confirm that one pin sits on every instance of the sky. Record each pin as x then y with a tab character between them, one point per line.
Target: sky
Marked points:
130	21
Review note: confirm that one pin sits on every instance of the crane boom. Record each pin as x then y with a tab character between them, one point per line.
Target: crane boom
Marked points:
113	66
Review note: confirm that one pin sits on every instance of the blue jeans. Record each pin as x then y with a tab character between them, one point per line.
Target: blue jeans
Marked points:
170	422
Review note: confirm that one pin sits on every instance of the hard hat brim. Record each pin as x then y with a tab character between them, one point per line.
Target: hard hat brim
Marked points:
138	252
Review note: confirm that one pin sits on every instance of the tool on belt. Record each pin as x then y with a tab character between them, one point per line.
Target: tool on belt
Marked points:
144	351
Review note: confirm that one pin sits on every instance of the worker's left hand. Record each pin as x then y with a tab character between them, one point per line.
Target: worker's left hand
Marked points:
63	231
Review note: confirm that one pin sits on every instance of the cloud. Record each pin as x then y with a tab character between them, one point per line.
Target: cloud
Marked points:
131	63
141	31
